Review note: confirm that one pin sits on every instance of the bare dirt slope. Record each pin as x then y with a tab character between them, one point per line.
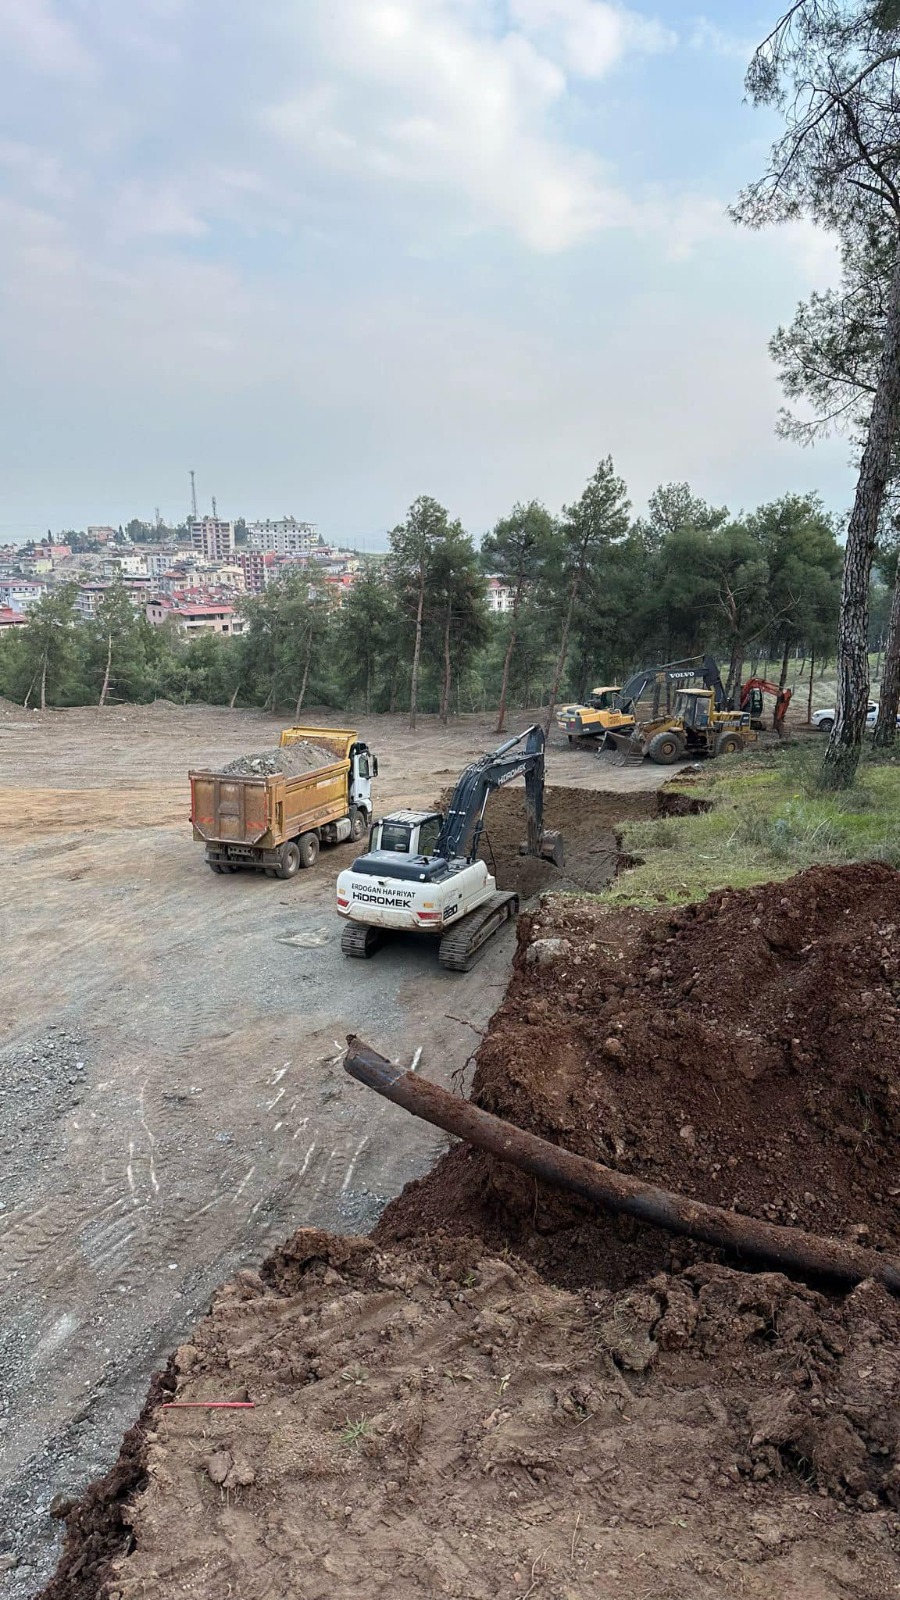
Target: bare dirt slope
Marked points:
440	1422
502	1392
171	1100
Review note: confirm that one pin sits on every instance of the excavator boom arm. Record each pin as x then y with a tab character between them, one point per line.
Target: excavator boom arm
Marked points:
522	756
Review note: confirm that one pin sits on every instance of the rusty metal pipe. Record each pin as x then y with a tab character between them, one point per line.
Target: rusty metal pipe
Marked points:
807	1254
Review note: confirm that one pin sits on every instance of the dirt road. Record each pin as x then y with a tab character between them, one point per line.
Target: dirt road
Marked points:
171	1100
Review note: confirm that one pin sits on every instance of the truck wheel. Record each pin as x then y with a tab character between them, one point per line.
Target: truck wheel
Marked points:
357	824
289	858
215	866
826	724
665	748
728	744
308	848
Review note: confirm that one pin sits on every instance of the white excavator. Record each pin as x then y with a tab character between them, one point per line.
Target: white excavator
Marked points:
421	872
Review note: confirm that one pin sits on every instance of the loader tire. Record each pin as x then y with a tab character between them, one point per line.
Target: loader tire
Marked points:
665	748
288	860
728	744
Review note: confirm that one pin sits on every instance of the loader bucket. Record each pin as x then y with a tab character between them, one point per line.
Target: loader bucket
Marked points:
550	846
628	744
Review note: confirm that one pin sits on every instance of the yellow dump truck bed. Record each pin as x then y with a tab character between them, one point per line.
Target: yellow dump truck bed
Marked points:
254	814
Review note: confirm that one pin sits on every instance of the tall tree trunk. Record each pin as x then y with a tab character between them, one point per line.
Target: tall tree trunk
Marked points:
732	687
845	742
414	685
809	698
561	658
785	662
445	686
44	684
231	702
368	682
105	689
301	696
501	714
889	698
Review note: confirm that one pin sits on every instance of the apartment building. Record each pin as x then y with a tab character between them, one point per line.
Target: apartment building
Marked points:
286	537
193	619
499	596
212	538
20	594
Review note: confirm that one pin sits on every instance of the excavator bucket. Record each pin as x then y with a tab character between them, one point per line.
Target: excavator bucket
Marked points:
550	846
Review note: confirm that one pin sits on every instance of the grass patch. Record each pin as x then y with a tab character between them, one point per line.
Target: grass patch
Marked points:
769	819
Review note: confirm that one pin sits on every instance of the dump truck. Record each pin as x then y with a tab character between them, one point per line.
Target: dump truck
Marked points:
271	812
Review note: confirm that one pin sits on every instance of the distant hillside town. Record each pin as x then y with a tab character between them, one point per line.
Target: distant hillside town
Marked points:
191	576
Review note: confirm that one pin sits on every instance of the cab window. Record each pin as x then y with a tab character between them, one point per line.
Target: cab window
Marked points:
395	837
428	836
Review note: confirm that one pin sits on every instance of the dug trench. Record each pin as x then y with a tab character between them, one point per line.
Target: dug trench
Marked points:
501	1392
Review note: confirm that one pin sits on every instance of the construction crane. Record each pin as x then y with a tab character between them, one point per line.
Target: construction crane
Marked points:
421	872
194	513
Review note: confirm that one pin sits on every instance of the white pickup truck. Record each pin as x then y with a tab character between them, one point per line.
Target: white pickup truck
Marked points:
825	720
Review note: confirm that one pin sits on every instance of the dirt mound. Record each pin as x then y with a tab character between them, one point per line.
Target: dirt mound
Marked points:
674	803
291	759
745	1051
429	1426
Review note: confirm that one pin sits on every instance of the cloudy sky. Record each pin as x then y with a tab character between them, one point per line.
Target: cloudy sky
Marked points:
337	253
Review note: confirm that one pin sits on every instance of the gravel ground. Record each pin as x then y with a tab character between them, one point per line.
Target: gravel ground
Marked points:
209	1116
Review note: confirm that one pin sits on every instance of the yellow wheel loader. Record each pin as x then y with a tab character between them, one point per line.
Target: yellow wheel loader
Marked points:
696	727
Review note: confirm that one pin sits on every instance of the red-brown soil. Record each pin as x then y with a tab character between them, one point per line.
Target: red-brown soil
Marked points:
745	1051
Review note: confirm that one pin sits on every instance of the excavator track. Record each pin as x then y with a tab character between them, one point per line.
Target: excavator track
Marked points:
464	941
359	940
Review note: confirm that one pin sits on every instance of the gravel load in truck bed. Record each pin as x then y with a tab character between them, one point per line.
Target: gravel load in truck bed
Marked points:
291	759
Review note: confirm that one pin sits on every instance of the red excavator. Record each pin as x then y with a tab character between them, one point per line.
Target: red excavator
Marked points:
752	701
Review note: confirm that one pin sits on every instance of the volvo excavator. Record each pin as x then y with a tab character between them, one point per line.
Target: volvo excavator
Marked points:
421	872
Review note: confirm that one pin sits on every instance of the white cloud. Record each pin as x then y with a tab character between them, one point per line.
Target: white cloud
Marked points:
590	36
37	36
717	41
419	93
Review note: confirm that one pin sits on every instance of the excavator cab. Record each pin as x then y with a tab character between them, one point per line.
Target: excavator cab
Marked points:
605	699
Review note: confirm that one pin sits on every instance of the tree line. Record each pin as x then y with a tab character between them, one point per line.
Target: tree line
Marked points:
592	593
